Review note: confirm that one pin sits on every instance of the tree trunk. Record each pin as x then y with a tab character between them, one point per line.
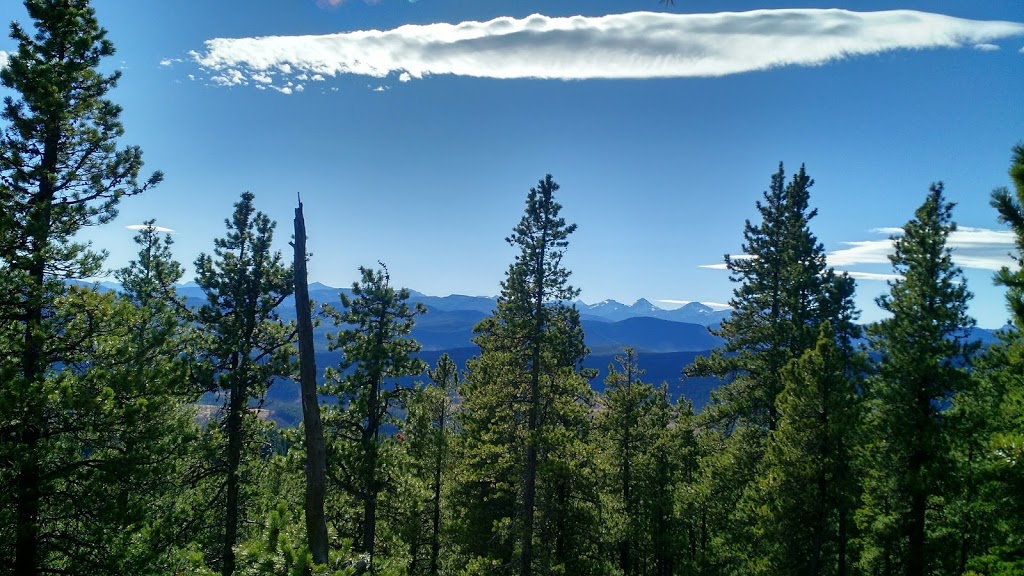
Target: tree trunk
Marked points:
435	537
530	473
915	548
316	452
26	549
236	404
26	544
370	523
916	562
370	471
841	568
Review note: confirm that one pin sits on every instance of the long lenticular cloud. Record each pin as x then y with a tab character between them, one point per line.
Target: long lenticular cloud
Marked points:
632	45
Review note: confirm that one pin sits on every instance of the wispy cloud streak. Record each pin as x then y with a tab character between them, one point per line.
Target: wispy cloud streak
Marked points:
870	275
631	45
723	266
979	248
149	227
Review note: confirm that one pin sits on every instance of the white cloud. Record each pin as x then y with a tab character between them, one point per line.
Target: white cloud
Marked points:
679	302
631	45
980	248
3	59
861	252
262	78
144	227
229	78
722	265
986	47
870	275
888	230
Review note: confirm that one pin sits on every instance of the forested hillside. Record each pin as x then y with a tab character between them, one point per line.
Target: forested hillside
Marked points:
812	456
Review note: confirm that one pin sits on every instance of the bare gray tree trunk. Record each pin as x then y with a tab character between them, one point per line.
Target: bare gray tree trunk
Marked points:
316	453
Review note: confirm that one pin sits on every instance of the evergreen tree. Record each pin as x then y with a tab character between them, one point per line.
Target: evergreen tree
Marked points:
785	293
1007	442
808	481
377	351
524	407
1010	206
924	352
777	308
990	422
427	429
162	437
246	345
649	450
625	424
60	170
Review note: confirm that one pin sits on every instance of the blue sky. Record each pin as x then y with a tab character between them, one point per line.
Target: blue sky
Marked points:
417	143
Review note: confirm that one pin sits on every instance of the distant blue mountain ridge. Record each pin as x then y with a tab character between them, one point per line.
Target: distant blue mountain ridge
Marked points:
665	340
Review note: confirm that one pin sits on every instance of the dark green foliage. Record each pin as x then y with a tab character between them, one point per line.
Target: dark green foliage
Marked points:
808	483
650	475
786	293
427	436
525	414
989	418
1009	206
376	353
60	170
924	353
244	347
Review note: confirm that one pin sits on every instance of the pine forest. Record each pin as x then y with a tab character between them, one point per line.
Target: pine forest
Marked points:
830	447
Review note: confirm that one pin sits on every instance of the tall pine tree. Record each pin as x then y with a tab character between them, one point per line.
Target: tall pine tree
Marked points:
924	354
523	410
990	419
246	345
377	352
60	170
785	293
808	483
428	430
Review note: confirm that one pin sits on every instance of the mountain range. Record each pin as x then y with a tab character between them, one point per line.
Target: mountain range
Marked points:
665	340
